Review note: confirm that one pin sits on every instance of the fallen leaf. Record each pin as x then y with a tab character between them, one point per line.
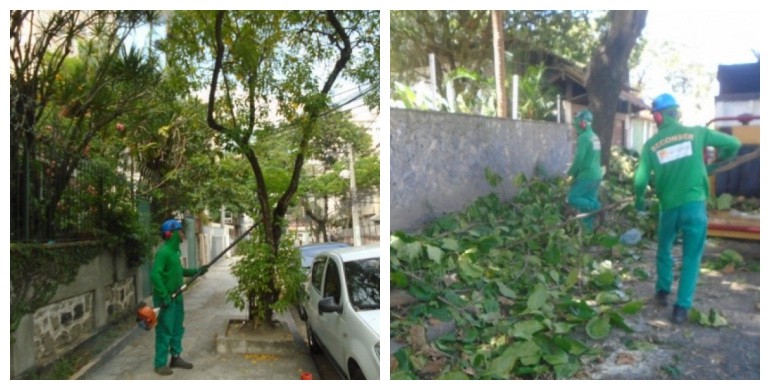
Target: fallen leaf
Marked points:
401	298
625	358
417	337
393	364
450	279
433	367
658	324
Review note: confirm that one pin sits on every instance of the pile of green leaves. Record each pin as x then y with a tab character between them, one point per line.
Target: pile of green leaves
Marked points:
527	297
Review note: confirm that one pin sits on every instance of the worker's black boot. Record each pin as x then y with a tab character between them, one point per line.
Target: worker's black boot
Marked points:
680	315
662	298
178	362
163	371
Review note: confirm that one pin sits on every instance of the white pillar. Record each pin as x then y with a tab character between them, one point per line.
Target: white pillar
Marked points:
515	97
433	82
353	200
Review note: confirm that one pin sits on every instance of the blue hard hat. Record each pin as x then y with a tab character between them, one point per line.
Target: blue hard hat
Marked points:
663	102
170	225
584	115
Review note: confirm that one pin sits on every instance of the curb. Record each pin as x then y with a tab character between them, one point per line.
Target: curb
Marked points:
111	351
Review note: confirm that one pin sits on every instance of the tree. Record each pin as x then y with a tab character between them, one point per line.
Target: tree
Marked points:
668	68
608	72
461	40
280	63
323	181
71	78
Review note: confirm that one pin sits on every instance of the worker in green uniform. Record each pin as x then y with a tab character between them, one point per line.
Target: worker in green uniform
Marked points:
675	156
586	170
167	276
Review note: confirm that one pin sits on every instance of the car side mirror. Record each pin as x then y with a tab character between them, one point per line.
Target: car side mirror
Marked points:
328	305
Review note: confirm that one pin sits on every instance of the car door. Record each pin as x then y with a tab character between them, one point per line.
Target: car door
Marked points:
331	325
314	293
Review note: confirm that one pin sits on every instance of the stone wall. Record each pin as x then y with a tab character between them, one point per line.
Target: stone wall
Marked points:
61	326
437	160
121	298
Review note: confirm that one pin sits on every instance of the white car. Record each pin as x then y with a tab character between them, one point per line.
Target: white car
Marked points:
343	309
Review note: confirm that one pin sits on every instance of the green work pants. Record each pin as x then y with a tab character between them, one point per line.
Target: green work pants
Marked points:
584	196
169	331
691	219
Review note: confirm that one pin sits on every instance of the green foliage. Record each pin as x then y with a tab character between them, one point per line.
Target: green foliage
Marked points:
526	297
537	95
37	270
724	202
322	181
713	318
727	260
460	41
257	270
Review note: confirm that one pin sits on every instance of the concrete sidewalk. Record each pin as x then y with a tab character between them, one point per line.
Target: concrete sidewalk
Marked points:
207	315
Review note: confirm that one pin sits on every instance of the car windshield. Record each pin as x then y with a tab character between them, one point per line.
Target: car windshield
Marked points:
363	281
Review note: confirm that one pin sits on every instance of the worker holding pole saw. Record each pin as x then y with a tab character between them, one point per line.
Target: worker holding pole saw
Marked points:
167	277
674	155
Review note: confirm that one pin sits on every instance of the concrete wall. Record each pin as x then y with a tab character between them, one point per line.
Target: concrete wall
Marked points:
437	160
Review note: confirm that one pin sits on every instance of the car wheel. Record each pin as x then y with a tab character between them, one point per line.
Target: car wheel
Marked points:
355	372
312	342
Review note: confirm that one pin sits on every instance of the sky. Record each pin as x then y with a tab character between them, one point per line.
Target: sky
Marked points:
709	37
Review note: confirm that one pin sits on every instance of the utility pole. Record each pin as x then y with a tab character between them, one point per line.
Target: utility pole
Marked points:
353	201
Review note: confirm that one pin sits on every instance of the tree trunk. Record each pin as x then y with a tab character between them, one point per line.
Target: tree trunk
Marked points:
608	73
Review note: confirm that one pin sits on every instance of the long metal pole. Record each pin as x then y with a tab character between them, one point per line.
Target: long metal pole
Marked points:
219	256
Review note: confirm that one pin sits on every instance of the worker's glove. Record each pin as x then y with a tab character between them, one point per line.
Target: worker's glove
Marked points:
202	271
165	301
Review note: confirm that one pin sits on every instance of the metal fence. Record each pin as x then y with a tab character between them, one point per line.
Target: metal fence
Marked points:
81	209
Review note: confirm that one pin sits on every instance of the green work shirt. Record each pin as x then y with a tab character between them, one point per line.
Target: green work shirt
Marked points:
167	273
587	162
675	156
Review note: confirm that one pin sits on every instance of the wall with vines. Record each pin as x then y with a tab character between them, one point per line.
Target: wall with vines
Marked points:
62	294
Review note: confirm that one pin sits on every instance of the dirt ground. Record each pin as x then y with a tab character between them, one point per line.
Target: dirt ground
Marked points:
659	349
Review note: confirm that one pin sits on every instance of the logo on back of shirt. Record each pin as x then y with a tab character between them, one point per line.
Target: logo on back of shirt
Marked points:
674	152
